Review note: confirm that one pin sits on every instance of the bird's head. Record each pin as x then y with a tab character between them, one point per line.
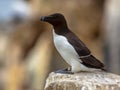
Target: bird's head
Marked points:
56	19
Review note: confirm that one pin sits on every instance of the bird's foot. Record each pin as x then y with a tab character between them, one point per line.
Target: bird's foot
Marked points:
65	71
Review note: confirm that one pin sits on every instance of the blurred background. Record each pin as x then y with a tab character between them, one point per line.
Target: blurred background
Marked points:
27	53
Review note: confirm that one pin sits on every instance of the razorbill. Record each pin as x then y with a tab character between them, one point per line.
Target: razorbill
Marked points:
70	47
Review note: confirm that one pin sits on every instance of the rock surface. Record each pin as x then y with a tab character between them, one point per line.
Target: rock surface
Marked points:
83	81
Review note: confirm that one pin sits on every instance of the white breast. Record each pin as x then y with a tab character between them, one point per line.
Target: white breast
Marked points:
66	50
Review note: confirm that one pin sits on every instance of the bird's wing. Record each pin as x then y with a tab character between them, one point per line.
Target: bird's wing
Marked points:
78	45
92	62
83	52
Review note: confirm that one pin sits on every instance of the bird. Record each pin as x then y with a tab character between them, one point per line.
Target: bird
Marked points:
70	47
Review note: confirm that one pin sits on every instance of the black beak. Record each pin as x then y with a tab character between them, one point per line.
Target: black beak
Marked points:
46	18
42	18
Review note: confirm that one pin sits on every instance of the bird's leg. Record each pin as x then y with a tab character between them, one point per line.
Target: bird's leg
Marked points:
65	71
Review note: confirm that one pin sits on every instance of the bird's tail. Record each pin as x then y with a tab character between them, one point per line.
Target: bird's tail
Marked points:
103	67
93	62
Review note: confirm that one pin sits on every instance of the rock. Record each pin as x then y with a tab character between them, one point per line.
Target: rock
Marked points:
98	80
